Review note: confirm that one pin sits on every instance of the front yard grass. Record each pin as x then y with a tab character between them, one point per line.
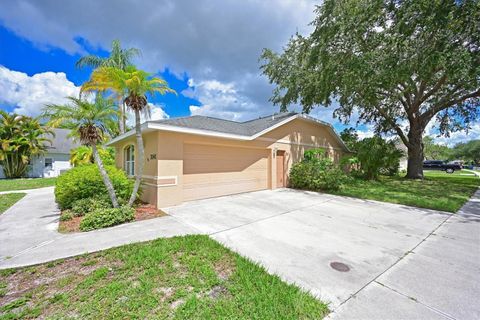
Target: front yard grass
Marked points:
439	190
9	199
24	184
191	277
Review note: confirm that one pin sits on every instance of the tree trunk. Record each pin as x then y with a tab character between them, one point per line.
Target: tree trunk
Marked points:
105	177
121	122
139	159
415	153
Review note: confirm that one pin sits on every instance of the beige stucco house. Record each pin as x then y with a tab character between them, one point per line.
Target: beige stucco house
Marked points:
200	157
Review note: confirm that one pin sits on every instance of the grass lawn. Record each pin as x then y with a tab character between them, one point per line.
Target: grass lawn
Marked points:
439	190
8	200
191	277
24	184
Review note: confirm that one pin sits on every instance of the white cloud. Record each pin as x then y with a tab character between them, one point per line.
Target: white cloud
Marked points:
457	137
29	94
211	40
156	113
224	100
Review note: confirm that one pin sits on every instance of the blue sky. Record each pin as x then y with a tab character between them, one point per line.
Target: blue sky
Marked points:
208	52
22	55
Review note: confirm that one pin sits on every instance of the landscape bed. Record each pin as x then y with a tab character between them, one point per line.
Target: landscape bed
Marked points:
142	212
190	277
439	190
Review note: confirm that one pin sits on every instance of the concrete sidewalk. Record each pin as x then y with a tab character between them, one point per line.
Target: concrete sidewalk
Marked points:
438	279
28	232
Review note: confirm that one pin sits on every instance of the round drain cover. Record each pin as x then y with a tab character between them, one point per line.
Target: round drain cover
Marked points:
339	266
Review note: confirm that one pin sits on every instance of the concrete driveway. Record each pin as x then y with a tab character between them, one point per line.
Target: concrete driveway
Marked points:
392	261
404	262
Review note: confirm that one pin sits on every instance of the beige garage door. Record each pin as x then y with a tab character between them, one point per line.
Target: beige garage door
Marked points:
212	171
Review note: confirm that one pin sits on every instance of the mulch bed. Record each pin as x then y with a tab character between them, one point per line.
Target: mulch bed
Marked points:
142	212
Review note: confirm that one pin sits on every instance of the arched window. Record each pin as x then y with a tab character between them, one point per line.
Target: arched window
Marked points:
129	158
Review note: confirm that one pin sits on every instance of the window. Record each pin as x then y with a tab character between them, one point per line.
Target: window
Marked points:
129	156
49	163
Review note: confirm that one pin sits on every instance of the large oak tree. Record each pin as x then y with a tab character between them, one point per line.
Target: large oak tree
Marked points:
398	64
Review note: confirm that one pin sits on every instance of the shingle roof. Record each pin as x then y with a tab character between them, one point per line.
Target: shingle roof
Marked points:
247	128
61	142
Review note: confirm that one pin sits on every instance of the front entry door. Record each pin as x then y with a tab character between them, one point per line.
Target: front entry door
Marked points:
280	169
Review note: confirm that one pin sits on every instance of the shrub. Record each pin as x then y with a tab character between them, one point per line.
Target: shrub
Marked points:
321	174
85	182
103	218
66	215
86	205
378	156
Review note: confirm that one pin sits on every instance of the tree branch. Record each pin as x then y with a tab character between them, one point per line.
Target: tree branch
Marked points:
394	125
427	115
435	88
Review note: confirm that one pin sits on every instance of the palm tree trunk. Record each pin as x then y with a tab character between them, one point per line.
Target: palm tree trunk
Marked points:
139	158
121	119
105	177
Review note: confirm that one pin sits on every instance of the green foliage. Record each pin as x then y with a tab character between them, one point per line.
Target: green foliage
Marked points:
316	172
119	58
469	151
378	156
21	138
86	205
350	137
90	122
103	218
389	62
434	151
84	155
67	215
314	154
86	182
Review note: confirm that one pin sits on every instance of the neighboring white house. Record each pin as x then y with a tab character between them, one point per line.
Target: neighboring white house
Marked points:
55	160
404	159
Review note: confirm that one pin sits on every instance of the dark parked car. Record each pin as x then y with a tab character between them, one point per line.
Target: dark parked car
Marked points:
441	165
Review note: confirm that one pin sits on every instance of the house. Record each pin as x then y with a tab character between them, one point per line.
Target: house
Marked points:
55	160
403	162
200	157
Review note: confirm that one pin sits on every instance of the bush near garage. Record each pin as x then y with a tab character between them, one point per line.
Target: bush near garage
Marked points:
103	218
316	172
378	156
83	206
86	182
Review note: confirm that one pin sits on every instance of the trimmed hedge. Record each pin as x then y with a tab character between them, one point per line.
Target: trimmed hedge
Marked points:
320	174
81	207
86	182
103	218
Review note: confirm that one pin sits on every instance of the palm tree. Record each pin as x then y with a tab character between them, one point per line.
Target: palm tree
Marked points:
84	155
118	58
89	122
21	139
134	84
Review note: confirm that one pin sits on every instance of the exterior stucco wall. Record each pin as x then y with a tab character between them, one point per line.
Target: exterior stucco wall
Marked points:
298	136
149	192
164	172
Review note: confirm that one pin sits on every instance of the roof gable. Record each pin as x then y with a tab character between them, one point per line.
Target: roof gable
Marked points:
208	126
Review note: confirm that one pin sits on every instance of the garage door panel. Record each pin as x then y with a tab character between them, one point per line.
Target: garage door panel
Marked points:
211	171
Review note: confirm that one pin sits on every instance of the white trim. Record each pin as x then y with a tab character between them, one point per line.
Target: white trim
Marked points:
127	134
147	126
281	123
